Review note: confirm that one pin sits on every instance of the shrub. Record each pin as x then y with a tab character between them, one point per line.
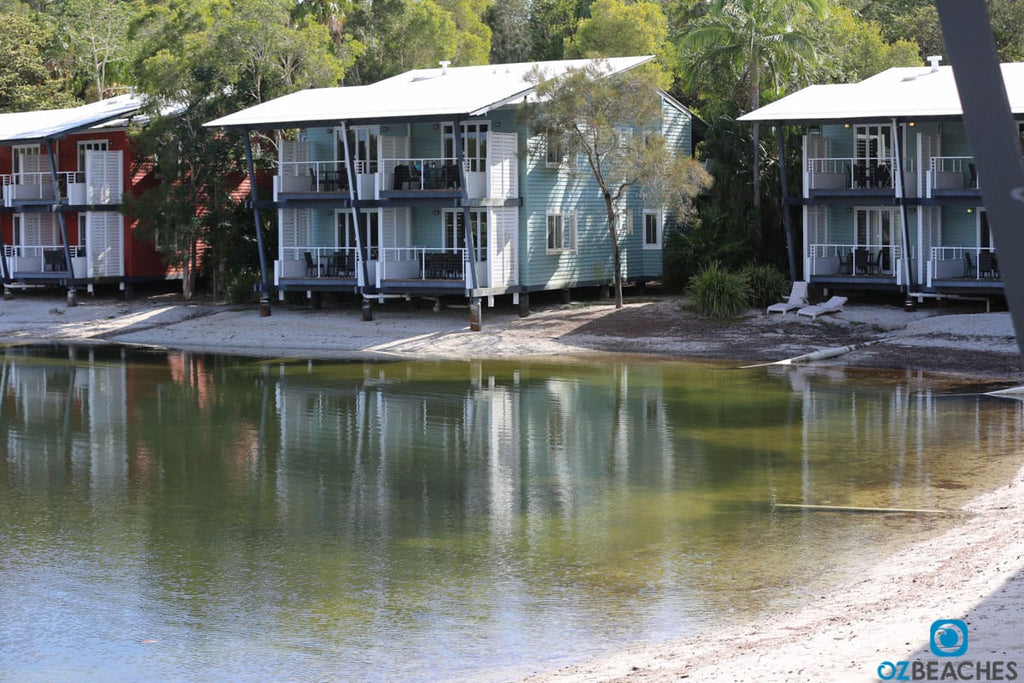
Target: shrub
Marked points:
765	284
242	287
718	293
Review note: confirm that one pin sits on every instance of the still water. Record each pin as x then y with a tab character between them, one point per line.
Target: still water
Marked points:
182	517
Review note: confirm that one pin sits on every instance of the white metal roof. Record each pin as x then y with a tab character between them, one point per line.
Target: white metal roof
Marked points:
903	92
30	126
463	90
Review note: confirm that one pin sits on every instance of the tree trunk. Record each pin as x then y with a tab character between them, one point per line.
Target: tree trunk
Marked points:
616	263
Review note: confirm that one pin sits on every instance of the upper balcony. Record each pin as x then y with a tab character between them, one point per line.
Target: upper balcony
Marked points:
100	184
853	176
952	177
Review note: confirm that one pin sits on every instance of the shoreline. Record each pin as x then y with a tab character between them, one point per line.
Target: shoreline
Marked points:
975	568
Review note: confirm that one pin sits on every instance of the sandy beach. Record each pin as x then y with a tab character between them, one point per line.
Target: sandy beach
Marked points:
974	571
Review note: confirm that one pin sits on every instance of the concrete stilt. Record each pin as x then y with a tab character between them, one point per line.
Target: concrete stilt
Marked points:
367	310
475	322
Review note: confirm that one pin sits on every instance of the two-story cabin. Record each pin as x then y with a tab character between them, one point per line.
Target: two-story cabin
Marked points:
429	183
65	173
890	193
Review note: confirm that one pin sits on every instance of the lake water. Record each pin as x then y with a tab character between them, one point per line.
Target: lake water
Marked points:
171	516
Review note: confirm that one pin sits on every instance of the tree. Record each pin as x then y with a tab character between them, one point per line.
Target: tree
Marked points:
205	60
619	29
757	40
27	81
853	49
551	22
399	35
472	34
97	41
614	123
511	39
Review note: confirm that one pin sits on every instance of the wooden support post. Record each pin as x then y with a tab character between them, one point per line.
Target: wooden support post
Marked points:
367	310
524	304
475	322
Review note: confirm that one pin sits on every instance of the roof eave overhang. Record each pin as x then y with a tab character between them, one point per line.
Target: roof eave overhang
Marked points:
70	130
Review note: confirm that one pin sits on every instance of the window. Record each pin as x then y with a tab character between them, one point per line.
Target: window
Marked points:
82	228
454	235
554	152
474	145
90	145
652	229
345	231
16	237
624	223
561	233
19	152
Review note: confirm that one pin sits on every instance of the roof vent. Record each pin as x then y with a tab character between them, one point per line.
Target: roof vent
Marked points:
444	66
933	61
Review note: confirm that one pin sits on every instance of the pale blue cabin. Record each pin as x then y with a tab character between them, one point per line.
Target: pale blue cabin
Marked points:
889	193
376	186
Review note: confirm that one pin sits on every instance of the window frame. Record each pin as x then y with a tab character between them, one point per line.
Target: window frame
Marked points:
565	230
658	229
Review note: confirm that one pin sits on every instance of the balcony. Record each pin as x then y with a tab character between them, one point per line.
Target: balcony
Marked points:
43	261
401	176
37	188
852	176
305	178
852	262
969	267
389	268
952	176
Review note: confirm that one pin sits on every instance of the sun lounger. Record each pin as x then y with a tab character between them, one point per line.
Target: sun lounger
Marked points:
797	299
833	305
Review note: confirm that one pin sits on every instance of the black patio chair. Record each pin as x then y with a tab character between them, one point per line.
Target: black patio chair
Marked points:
403	177
311	269
969	269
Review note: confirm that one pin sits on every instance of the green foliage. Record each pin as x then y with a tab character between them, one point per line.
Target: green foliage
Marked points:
856	49
766	284
619	29
399	35
472	35
585	111
762	44
511	37
27	81
717	293
243	287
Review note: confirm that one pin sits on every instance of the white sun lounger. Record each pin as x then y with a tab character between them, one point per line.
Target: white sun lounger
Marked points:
797	299
833	305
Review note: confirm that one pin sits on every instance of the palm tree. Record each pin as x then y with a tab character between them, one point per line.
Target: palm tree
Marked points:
758	40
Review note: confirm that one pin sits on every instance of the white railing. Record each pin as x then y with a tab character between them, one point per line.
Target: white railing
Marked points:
952	173
320	262
42	258
421	173
855	260
421	263
313	176
38	185
963	263
852	173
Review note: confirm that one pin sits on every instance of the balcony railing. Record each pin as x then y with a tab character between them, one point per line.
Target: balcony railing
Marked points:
853	173
421	173
321	262
43	258
855	260
951	174
963	263
312	176
37	185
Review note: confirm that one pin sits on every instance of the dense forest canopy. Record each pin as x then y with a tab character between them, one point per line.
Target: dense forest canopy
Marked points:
60	51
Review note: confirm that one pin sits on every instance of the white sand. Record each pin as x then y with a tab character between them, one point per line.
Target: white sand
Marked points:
975	569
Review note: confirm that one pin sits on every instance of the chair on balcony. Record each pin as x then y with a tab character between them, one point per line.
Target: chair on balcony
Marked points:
450	176
881	176
860	175
972	171
314	183
969	269
403	177
845	262
987	265
862	262
53	261
311	267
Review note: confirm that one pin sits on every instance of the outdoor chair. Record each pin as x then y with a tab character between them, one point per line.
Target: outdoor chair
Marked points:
833	305
969	269
845	262
797	299
987	266
402	177
311	269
